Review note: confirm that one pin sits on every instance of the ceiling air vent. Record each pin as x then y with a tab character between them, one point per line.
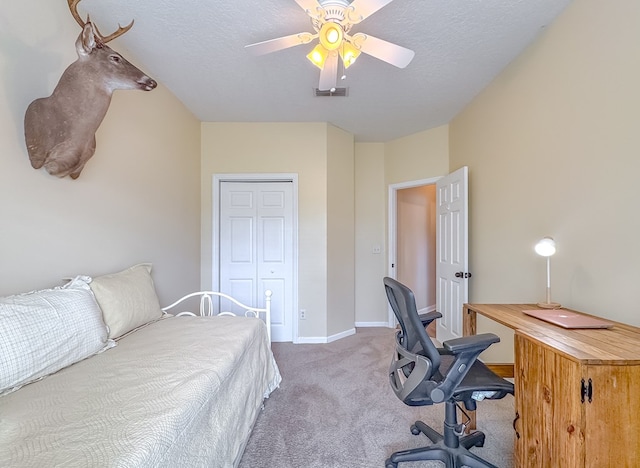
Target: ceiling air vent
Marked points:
337	92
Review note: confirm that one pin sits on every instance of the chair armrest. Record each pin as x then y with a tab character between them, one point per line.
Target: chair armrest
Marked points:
470	343
429	317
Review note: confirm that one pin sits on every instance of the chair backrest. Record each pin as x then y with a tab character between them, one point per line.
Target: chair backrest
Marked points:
414	336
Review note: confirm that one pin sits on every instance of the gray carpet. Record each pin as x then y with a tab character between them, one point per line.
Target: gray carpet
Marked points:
335	408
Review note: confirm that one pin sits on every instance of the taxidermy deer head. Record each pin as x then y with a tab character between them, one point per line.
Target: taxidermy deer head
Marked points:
60	129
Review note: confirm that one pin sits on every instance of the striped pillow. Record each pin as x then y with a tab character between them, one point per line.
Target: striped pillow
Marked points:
44	331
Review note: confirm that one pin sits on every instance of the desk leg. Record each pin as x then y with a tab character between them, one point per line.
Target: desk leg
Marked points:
469	323
469	319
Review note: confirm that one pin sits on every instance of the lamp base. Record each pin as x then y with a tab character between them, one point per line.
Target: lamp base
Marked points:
549	305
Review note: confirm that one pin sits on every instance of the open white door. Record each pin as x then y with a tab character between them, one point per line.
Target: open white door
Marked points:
452	262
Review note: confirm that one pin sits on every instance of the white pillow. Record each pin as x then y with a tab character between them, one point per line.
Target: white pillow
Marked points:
128	299
44	331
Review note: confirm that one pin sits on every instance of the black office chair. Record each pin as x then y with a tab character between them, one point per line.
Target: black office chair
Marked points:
421	374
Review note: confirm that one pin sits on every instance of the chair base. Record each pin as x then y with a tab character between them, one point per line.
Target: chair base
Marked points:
449	448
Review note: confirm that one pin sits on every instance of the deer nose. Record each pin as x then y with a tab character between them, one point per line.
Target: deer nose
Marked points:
148	83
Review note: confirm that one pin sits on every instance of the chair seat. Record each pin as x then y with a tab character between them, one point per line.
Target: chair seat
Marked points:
479	378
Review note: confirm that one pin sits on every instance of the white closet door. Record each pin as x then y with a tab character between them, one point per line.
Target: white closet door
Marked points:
256	248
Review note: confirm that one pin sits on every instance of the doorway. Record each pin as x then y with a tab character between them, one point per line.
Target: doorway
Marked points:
452	250
416	245
255	244
412	241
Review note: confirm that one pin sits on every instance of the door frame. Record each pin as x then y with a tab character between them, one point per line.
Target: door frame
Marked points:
393	230
215	231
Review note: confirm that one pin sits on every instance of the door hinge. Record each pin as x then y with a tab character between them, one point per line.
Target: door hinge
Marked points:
586	390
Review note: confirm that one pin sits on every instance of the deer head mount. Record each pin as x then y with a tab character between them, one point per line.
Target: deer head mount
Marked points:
60	129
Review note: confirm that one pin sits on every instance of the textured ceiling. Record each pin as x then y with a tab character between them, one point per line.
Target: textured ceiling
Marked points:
196	49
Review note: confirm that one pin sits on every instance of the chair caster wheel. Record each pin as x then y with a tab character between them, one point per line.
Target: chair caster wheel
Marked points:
414	430
390	464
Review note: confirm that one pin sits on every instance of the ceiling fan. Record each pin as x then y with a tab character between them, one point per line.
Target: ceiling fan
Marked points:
332	20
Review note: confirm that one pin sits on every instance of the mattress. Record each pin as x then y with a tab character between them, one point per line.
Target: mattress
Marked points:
183	391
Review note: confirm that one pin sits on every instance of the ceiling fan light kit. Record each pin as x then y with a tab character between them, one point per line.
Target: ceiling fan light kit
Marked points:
318	56
330	35
349	54
332	20
331	38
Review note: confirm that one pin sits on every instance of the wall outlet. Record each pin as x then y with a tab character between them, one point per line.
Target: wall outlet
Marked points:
303	314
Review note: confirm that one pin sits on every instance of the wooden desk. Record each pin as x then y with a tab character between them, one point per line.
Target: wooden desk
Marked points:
577	392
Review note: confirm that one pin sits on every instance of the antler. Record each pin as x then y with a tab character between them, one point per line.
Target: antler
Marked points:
73	7
119	32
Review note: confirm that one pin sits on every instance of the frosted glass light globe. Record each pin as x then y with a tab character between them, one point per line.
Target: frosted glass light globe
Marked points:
546	247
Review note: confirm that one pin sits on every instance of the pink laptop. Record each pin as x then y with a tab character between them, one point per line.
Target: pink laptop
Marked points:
567	319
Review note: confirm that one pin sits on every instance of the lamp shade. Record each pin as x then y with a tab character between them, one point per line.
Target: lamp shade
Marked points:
318	56
546	247
348	53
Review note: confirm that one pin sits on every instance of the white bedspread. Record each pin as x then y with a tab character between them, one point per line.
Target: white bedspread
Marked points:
181	392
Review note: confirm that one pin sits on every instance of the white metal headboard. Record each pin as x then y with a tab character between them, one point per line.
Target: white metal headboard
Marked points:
207	309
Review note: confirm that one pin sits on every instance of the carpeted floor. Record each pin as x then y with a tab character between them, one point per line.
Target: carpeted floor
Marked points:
335	409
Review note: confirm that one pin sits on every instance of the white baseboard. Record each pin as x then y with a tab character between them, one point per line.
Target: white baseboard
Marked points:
371	324
341	335
311	340
431	308
324	340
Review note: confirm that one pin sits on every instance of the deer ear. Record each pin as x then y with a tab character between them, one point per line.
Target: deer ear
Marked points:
86	41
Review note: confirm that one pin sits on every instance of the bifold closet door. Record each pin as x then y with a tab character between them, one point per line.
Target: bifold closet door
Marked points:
256	247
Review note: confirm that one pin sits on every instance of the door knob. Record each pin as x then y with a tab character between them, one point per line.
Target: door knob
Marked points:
460	274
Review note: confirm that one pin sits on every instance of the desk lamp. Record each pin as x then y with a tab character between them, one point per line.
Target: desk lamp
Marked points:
546	247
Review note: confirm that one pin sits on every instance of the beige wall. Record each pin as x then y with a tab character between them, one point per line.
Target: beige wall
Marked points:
423	155
340	233
300	148
370	199
137	199
552	146
419	156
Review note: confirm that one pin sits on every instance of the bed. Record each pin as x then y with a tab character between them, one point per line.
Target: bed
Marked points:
173	392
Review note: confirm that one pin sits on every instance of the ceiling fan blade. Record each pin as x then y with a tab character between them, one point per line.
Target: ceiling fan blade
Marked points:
391	53
329	73
273	45
361	9
309	6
